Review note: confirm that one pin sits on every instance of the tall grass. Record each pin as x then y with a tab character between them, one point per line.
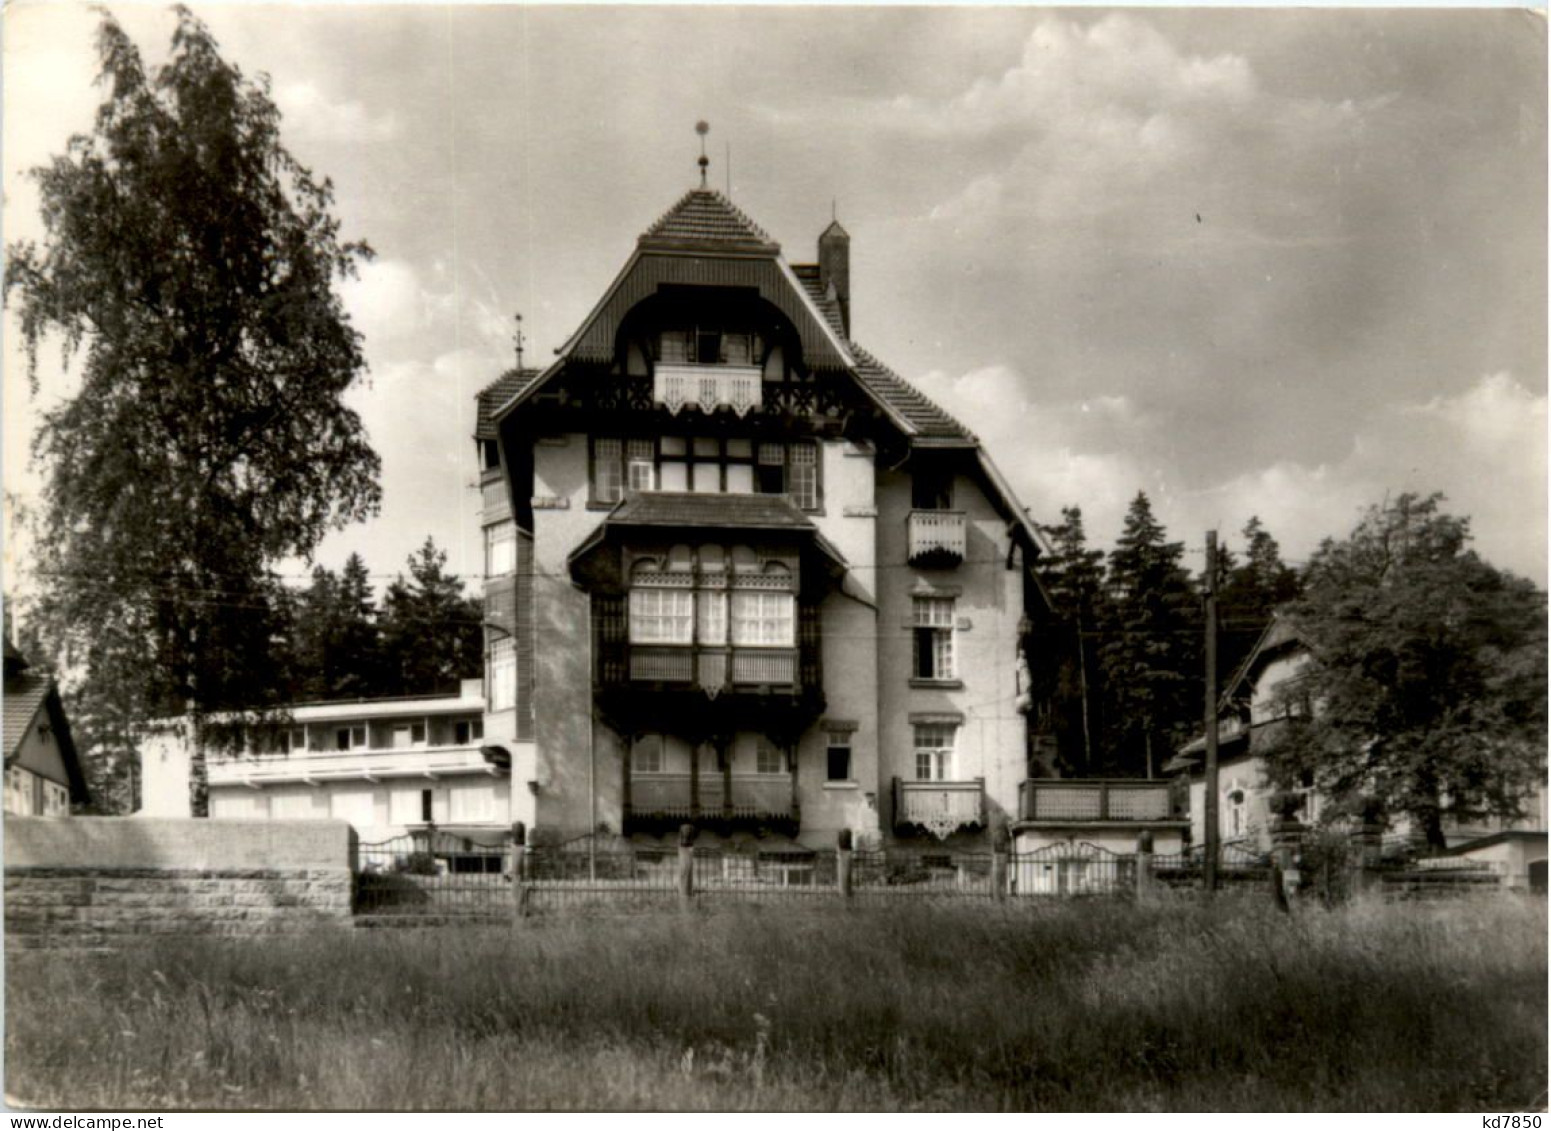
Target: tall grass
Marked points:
1071	1006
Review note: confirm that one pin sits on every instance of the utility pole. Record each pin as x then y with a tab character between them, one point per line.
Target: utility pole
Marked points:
1213	846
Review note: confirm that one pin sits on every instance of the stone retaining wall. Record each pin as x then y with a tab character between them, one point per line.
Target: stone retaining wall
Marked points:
103	881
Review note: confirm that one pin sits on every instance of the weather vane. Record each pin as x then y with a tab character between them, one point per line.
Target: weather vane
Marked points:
518	340
702	128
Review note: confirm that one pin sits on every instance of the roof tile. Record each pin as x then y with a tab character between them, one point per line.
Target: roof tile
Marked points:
496	394
704	215
904	398
673	508
24	695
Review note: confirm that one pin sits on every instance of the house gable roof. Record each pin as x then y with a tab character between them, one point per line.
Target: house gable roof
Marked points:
704	219
27	695
490	399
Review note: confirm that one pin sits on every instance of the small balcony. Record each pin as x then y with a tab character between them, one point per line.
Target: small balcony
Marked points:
936	538
939	807
1080	801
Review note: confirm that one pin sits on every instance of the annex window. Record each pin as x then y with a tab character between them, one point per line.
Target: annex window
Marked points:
934	638
838	757
1235	812
769	758
490	454
608	474
465	731
709	345
931	489
934	751
647	757
500	549
662	616
706	465
803	475
351	736
764	619
711	608
18	791
503	675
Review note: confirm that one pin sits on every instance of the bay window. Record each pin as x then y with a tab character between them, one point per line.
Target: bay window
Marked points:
764	619
662	616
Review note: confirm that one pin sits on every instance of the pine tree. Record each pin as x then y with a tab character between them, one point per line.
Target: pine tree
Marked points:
1150	654
431	631
1073	575
1249	593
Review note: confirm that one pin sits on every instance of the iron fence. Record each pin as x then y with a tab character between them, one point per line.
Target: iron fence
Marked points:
432	874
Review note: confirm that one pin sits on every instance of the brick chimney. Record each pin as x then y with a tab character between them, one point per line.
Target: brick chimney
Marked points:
835	268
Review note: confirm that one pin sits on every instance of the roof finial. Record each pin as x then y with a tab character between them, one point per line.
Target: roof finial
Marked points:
518	340
702	128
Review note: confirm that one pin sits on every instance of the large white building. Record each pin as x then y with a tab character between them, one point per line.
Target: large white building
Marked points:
387	766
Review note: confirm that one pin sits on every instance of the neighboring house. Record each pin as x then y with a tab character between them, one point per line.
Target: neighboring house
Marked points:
1262	696
1255	701
743	575
387	766
42	771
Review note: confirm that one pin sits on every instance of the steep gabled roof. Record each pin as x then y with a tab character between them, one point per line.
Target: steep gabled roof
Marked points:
808	275
705	216
905	399
24	695
496	394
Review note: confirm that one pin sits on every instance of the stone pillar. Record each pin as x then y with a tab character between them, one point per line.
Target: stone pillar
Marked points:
999	862
1286	844
1144	877
843	864
686	877
1367	838
519	869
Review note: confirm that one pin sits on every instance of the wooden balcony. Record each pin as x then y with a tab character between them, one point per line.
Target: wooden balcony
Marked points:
713	667
936	538
1084	801
661	802
940	807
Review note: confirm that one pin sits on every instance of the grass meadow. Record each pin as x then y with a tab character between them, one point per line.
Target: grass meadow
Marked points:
1066	1006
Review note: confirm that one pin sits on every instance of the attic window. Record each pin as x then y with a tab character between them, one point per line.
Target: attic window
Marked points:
490	453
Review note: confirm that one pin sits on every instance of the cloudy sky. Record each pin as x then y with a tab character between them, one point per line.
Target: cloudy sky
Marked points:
1256	262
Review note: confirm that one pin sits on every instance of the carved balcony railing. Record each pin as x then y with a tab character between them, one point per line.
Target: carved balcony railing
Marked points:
936	538
940	807
708	387
1094	800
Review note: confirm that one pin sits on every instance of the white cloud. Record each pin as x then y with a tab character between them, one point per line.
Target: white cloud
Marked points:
310	112
1484	448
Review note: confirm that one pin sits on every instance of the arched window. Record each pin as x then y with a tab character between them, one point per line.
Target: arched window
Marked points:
1235	812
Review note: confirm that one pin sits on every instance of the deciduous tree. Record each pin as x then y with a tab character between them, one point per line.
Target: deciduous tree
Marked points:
1426	674
188	268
